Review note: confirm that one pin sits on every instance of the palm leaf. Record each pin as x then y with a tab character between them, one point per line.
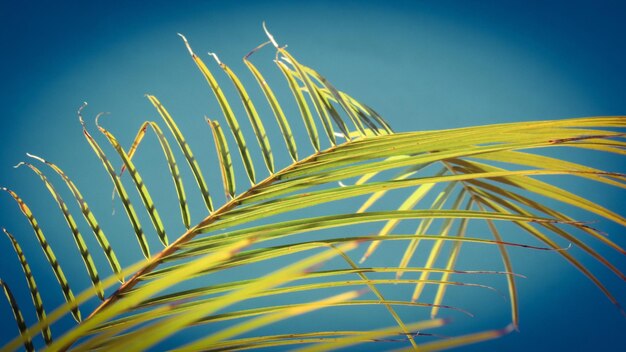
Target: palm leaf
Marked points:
89	217
32	287
450	178
78	238
19	318
171	162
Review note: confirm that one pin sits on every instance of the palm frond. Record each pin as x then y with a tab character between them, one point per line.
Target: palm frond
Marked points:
286	234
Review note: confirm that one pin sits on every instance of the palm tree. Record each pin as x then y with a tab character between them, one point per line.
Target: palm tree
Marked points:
235	272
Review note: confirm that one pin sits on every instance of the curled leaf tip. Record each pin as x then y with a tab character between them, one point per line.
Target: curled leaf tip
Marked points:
80	113
19	164
217	59
98	118
36	157
270	36
186	44
255	50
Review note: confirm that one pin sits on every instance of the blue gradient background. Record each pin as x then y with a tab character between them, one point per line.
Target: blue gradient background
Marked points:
421	64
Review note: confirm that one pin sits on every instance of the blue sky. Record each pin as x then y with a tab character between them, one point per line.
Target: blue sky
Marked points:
421	64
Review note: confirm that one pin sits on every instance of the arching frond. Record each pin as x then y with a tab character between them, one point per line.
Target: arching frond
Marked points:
289	245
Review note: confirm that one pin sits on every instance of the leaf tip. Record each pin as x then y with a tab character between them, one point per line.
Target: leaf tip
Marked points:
80	113
186	44
255	50
98	118
217	59
270	36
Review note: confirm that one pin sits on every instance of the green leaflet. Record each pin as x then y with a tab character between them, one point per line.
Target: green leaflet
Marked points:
419	142
267	319
139	184
286	308
454	254
19	318
184	147
89	217
317	104
330	221
421	148
379	295
171	162
370	335
225	287
335	115
101	339
128	207
506	260
335	94
223	154
253	116
436	249
147	291
299	201
62	310
147	336
32	287
409	203
231	119
530	203
374	197
271	252
283	123
492	193
556	193
371	112
302	73
78	238
358	113
425	224
534	232
277	189
540	161
117	326
284	340
54	264
309	124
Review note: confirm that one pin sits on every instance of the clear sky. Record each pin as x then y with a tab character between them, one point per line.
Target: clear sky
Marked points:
421	64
